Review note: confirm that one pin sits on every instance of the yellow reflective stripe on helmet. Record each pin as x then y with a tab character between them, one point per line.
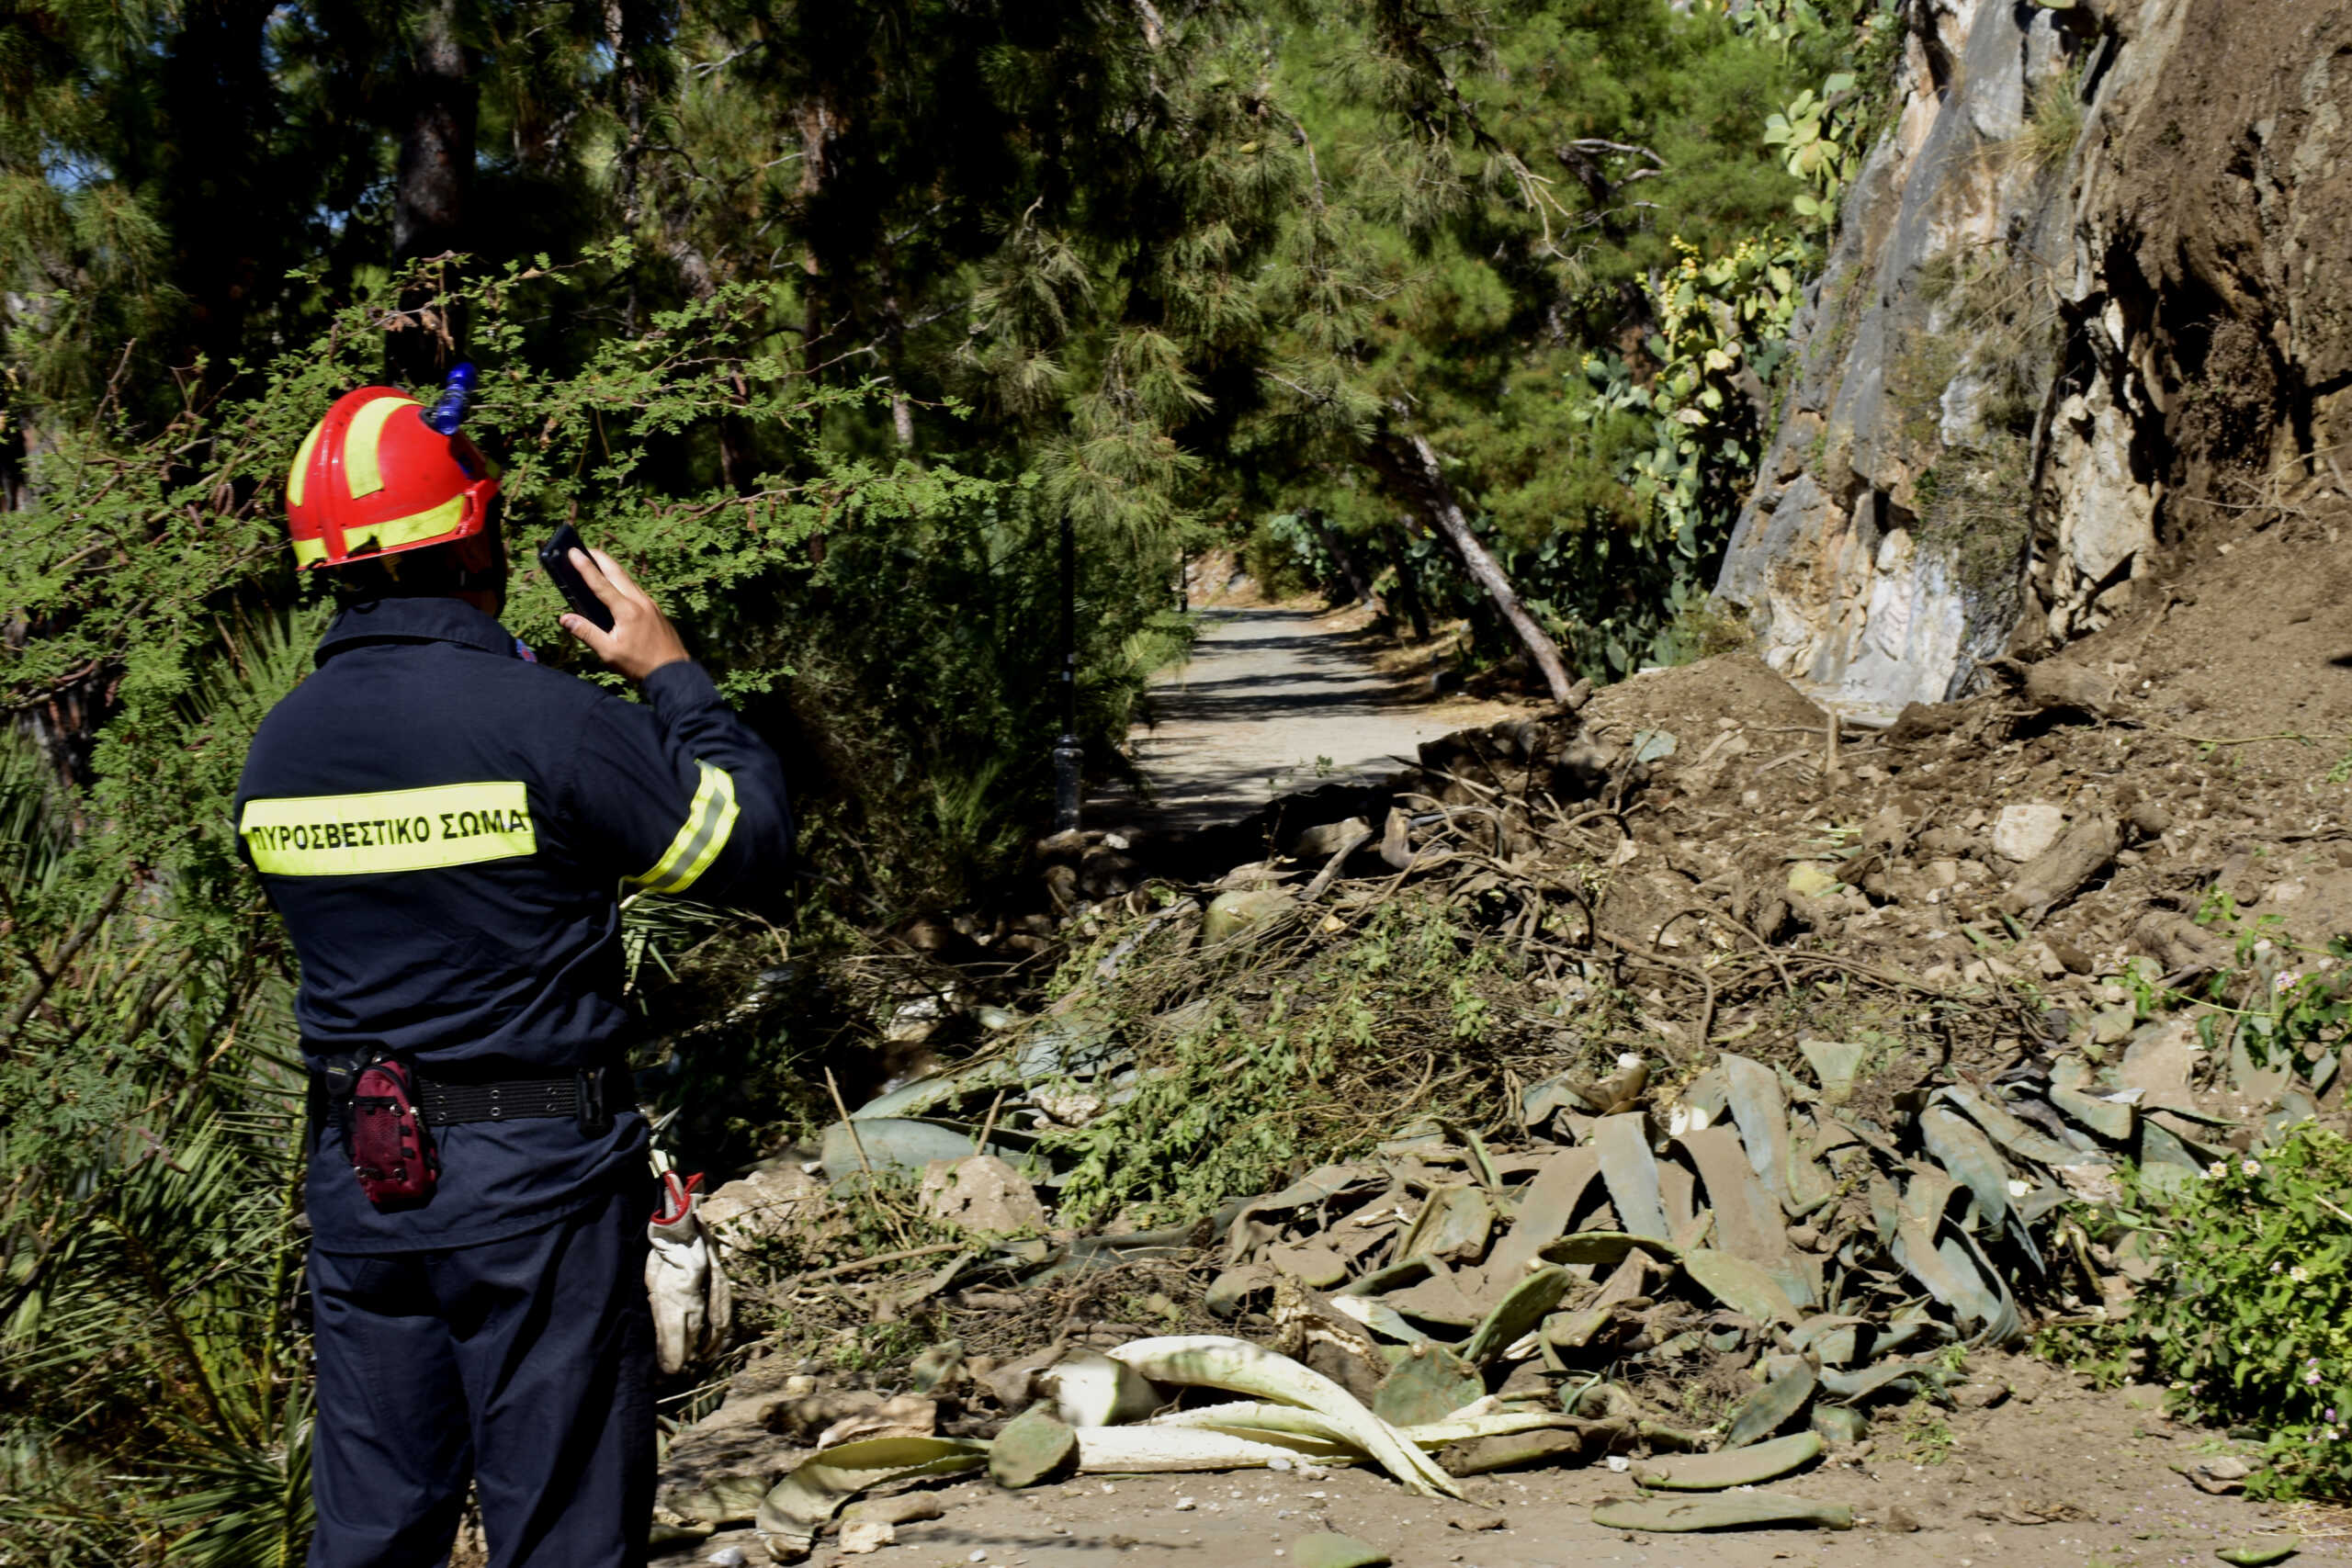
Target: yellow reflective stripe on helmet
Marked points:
308	550
298	476
397	829
709	819
400	531
363	470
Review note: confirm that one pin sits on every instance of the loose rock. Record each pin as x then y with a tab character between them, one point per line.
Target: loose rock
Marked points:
866	1536
2026	829
1230	914
1333	1551
1034	1447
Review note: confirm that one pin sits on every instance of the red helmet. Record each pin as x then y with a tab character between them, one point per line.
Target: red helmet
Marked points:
373	478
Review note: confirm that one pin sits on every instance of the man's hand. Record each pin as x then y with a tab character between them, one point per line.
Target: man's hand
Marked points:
642	640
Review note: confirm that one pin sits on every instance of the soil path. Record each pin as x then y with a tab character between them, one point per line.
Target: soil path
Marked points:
1277	698
2061	1476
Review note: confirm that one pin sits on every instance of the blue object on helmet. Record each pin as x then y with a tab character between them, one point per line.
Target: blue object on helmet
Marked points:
450	411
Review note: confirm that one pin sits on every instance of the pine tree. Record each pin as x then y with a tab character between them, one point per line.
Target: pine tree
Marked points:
1514	177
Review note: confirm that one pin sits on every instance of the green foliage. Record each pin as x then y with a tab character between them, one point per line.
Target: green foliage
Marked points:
919	636
2250	1317
1924	1436
1818	129
1702	630
1722	334
2054	123
1828	131
152	1367
1525	324
1248	1092
853	308
2248	1293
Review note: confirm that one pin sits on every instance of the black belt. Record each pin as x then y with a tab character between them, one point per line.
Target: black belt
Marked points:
590	1096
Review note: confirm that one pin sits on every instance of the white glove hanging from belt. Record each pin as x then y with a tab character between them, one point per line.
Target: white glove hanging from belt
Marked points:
693	1309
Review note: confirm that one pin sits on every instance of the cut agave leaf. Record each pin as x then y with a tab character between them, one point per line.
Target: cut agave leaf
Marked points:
1772	1407
1153	1450
800	1505
1733	1467
1089	1389
1746	1287
1630	1171
1745	1510
1521	1308
1215	1361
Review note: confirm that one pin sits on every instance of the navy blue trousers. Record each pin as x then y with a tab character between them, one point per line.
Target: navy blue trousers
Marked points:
524	1365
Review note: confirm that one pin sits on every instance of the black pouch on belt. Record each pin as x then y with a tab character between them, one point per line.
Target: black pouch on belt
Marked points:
392	1152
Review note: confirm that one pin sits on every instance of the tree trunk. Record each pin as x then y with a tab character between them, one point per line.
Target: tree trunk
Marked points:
1409	587
819	128
1446	513
217	176
430	186
628	81
437	143
1359	586
630	90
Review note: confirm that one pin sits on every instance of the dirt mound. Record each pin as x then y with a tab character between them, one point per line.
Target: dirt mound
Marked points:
1737	690
2250	636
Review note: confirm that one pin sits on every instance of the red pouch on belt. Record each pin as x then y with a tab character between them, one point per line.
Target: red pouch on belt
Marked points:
392	1153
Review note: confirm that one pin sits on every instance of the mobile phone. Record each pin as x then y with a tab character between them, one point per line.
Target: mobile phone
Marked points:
555	560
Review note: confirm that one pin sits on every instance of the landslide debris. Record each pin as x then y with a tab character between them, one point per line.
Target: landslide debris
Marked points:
1683	1074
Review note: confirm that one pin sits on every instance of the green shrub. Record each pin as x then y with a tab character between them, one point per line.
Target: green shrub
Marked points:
2250	1317
1281	1070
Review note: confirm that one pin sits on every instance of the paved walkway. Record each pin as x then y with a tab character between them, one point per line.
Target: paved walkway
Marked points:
1275	700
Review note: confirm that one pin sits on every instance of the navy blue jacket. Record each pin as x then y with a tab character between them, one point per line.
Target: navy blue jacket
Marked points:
448	829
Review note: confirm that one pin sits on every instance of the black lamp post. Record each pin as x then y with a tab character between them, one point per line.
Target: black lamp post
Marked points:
1067	754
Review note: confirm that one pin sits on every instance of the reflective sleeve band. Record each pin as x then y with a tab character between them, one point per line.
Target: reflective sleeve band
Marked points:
398	830
298	476
708	821
363	471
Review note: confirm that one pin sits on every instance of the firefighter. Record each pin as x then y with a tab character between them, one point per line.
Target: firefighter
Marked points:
447	828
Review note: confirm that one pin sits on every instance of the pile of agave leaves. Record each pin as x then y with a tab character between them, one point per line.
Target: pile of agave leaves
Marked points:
1444	1308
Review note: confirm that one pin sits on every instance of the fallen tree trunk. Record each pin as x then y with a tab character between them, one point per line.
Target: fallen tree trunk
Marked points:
1446	513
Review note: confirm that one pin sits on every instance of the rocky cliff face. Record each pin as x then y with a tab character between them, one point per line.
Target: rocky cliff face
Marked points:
2090	289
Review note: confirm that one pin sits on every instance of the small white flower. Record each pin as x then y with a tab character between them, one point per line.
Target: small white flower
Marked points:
2287	981
2275	1268
2250	1166
2302	1276
2218	1169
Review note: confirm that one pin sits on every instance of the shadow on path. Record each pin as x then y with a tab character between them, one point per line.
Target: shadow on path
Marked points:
1273	700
